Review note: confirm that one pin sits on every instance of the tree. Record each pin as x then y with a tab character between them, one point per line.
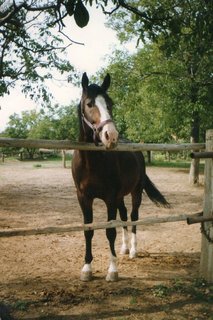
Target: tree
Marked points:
21	126
140	91
31	48
57	123
32	39
182	30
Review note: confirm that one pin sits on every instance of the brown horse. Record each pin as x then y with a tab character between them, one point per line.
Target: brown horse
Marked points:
107	175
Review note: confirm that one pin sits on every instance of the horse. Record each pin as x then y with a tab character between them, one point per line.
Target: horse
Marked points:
107	175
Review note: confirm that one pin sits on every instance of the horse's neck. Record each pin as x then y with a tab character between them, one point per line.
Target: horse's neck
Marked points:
89	158
83	135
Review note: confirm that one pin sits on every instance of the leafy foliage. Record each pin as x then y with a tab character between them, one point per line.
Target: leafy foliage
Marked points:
32	44
81	14
59	123
182	73
163	92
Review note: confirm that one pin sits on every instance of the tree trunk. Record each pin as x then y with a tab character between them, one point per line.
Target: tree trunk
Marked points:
63	153
149	157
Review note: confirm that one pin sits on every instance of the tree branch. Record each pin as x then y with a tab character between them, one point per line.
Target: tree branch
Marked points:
73	41
16	8
110	12
139	13
134	10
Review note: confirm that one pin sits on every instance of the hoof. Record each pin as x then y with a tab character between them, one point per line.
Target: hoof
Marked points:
124	251
112	276
86	276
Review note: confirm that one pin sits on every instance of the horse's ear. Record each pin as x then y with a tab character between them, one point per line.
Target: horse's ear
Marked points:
84	81
106	83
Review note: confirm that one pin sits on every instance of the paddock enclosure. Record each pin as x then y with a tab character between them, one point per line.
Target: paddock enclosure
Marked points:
39	276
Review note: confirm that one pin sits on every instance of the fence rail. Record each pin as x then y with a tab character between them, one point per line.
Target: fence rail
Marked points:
206	266
97	226
201	155
72	145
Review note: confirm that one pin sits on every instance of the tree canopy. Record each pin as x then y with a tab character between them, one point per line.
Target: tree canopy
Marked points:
167	85
30	51
58	122
182	33
32	41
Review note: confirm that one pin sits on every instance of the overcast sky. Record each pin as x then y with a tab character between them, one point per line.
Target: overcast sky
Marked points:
98	42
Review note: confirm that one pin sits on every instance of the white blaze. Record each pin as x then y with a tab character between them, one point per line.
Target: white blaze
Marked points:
109	134
101	104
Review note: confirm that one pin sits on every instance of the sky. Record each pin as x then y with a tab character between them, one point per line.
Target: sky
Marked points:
98	40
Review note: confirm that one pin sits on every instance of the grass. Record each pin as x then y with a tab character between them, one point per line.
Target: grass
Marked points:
173	164
37	165
198	289
169	164
158	161
21	305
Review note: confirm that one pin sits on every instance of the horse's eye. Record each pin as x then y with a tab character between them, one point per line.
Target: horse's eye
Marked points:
89	104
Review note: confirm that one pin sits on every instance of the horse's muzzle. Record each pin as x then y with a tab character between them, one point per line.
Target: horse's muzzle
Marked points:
111	145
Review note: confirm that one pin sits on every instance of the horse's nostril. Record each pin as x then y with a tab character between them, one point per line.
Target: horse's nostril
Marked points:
106	136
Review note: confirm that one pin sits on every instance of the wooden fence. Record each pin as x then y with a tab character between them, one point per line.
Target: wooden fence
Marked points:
71	145
206	265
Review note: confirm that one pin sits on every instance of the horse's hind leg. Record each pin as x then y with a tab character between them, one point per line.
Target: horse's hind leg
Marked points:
112	274
125	241
86	206
136	201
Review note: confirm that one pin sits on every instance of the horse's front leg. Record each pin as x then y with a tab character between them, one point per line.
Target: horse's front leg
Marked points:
112	274
86	206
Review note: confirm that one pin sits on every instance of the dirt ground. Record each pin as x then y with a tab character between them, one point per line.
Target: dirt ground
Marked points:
39	275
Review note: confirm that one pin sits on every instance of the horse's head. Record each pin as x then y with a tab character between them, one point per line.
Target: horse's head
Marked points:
96	112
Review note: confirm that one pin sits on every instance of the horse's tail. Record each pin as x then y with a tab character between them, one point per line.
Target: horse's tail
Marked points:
154	194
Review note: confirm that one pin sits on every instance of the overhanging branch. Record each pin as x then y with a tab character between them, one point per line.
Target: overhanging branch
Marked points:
13	9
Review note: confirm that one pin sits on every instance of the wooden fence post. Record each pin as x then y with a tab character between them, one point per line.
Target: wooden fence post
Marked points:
63	153
194	170
206	263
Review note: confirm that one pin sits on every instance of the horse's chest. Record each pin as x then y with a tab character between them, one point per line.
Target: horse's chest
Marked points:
96	180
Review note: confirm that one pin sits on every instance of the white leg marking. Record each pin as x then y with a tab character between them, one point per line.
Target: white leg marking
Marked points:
87	267
133	250
125	244
112	271
86	272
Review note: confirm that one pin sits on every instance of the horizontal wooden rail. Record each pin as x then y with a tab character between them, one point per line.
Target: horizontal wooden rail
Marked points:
72	145
197	219
96	226
202	155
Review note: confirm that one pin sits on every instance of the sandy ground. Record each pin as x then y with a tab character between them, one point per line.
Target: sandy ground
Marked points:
39	275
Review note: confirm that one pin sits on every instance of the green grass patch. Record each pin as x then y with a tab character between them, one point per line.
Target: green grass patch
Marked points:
198	289
173	164
21	305
37	165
